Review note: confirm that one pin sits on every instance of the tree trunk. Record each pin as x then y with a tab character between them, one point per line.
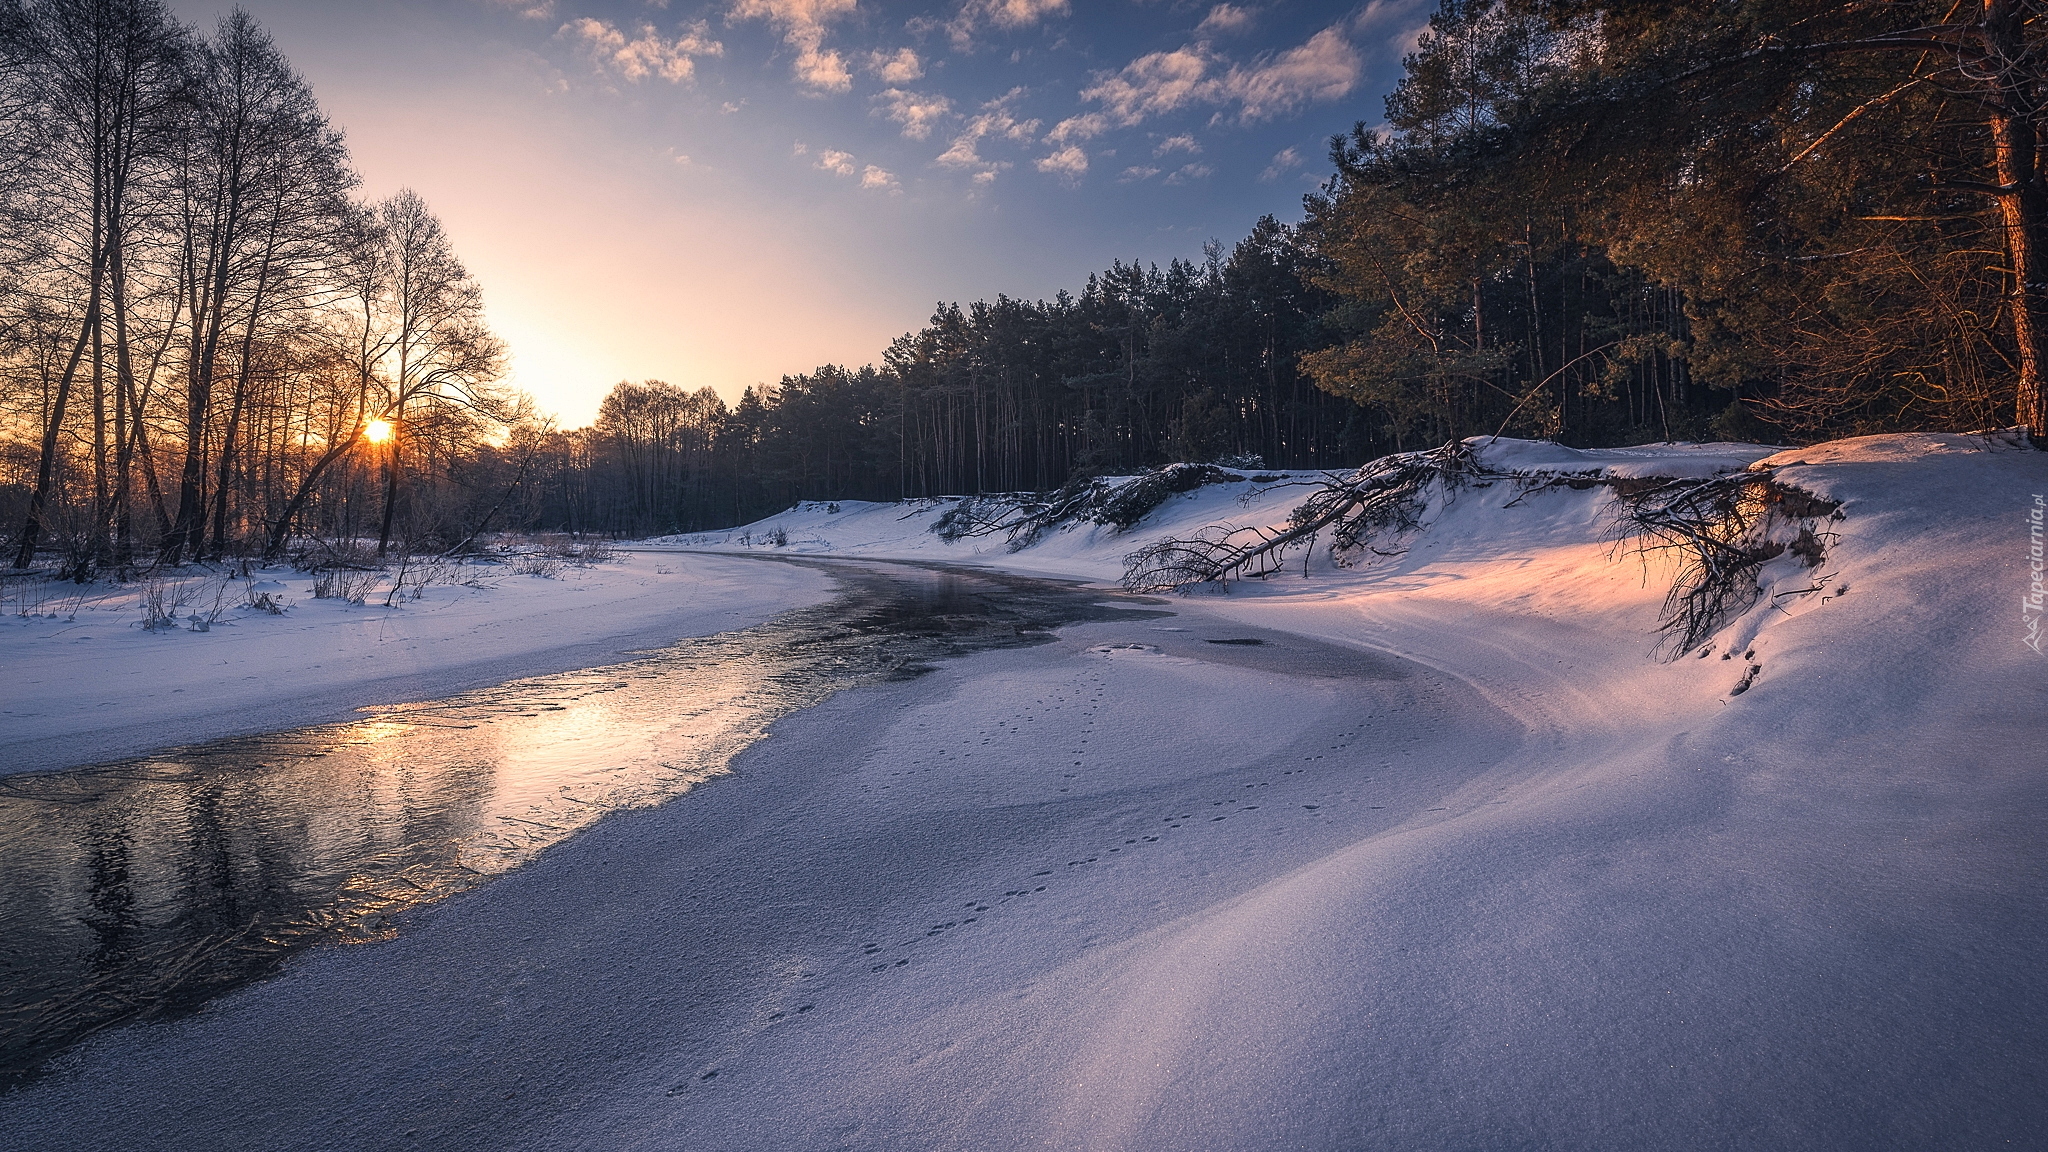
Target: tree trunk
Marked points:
281	531
124	398
391	466
32	526
2020	204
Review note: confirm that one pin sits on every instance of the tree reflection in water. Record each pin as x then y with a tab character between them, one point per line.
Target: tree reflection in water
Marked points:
141	888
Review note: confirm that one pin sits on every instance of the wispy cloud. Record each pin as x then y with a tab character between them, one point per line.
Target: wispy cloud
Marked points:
803	27
900	67
1326	67
1069	163
1086	126
1188	172
997	119
1181	143
1137	172
645	55
840	163
1225	19
917	112
975	15
1155	83
1400	22
1284	161
530	9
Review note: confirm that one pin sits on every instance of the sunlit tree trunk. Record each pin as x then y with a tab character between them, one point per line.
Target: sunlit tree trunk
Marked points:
2022	208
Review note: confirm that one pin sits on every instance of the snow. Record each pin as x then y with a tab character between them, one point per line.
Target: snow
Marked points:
86	681
1453	859
905	531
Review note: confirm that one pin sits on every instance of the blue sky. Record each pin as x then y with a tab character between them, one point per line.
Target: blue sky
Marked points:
716	194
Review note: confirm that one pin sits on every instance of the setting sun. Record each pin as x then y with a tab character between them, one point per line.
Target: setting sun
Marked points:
377	431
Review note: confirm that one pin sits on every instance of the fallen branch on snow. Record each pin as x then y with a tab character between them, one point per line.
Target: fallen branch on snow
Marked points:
1387	493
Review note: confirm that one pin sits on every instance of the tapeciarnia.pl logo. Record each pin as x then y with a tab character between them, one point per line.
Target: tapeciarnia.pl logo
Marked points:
2036	600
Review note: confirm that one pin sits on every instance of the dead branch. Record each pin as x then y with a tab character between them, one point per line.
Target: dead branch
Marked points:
1386	493
1723	530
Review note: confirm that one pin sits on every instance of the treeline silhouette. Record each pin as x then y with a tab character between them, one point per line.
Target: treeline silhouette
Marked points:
1144	365
206	340
1604	223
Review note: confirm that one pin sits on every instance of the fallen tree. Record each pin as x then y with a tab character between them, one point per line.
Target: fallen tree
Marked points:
1088	500
1385	494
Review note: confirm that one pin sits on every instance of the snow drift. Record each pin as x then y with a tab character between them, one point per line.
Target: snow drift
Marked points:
1775	881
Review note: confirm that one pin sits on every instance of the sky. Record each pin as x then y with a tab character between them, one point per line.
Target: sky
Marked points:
716	194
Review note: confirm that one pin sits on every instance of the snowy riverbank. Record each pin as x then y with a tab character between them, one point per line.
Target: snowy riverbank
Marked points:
86	682
1435	851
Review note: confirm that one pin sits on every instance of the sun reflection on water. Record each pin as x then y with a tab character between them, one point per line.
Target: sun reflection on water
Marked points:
132	889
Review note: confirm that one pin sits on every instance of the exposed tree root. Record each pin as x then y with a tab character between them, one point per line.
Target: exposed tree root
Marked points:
1385	494
1723	529
1089	500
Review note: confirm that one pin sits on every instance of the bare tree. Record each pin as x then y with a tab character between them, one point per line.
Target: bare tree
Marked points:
442	356
102	73
265	179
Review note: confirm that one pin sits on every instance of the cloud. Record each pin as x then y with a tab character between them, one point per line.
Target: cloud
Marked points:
647	55
803	27
1020	13
900	68
918	113
1326	67
823	70
1068	163
997	119
962	154
1181	143
1225	19
530	9
1409	19
843	164
1153	84
1006	14
1083	127
1137	172
1284	161
1189	172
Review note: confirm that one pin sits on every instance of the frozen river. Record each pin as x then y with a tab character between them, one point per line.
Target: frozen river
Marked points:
140	888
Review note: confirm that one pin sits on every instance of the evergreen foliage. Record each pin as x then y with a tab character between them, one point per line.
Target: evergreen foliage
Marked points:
1599	222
